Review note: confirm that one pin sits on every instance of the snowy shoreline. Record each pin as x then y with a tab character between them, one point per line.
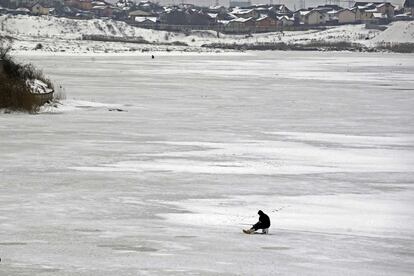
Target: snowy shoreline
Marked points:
33	53
51	34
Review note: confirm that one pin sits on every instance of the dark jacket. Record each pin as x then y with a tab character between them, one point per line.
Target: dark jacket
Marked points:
264	219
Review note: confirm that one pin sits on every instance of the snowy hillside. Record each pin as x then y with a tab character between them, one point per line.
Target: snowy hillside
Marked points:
65	35
49	26
398	32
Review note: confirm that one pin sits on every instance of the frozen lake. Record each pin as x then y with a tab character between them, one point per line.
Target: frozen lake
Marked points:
322	142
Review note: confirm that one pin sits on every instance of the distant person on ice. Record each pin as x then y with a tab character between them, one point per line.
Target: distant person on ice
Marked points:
263	223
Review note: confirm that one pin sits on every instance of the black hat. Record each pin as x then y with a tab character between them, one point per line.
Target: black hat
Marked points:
260	212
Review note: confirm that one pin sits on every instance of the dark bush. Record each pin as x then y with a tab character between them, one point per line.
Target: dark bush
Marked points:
38	46
282	46
178	43
14	92
335	46
397	47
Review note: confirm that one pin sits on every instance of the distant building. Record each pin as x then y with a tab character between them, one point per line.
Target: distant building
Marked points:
409	7
240	3
310	17
386	8
102	11
246	13
38	9
174	17
148	22
372	11
266	24
14	4
286	21
85	5
241	25
409	4
20	11
199	18
346	16
3	10
139	13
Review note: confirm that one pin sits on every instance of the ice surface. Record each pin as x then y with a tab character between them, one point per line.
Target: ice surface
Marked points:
153	166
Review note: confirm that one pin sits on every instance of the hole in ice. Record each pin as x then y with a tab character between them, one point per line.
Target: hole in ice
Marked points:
49	269
129	248
12	243
275	247
87	230
84	106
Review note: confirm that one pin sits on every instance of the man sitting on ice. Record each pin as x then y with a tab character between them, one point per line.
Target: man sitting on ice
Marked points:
263	223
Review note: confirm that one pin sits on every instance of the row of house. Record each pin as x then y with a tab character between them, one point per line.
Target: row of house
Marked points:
245	19
255	18
263	18
86	9
361	12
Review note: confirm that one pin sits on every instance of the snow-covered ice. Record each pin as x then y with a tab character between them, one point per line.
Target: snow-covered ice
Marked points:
153	166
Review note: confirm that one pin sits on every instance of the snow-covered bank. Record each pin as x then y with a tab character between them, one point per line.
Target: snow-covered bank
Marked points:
65	35
398	32
64	106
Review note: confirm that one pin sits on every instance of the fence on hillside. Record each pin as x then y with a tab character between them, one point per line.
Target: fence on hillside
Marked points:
229	29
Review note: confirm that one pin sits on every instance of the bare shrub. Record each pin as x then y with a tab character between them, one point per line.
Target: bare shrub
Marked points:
38	46
397	47
14	91
5	47
15	95
311	46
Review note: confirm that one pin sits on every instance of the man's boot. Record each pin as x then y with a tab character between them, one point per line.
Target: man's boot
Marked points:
250	231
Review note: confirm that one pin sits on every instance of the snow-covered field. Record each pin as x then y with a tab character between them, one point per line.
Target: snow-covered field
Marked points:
153	166
64	35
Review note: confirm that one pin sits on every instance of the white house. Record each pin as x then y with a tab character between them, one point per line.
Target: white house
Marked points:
346	16
310	17
38	9
286	20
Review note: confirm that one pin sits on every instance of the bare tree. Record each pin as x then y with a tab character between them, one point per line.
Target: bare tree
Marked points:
5	47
